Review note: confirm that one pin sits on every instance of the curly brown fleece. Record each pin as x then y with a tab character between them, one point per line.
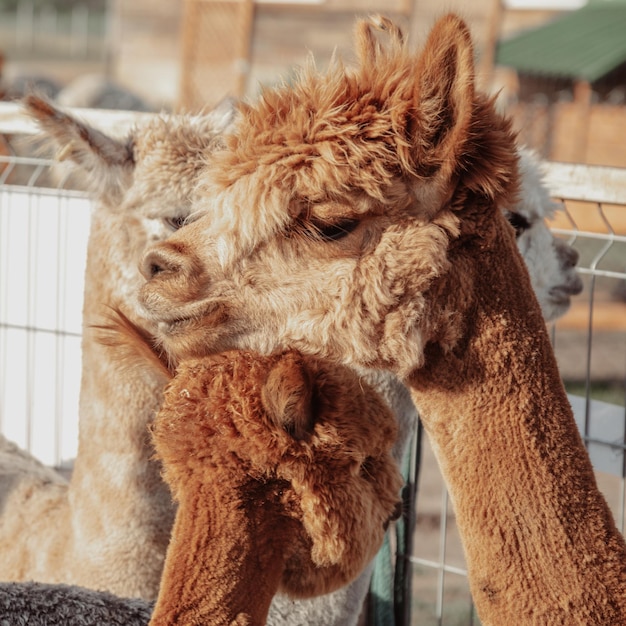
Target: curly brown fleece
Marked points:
284	478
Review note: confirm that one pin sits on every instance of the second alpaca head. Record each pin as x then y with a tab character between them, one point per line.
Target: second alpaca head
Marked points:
313	432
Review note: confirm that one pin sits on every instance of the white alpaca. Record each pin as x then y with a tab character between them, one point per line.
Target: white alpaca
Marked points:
109	527
144	188
551	262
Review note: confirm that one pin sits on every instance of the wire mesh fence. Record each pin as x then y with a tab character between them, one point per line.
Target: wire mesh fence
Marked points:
44	225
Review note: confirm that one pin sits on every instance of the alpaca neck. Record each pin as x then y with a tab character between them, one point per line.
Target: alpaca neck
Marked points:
116	492
115	455
540	542
225	559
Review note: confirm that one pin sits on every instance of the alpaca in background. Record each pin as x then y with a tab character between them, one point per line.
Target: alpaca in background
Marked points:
551	261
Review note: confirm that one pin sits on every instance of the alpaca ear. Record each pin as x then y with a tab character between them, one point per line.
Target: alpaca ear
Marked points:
444	98
107	164
445	87
287	396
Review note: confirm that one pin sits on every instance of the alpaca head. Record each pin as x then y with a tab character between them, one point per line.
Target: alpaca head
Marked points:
332	208
142	186
310	438
551	262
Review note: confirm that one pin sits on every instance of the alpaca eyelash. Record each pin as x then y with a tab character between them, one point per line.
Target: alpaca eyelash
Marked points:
368	467
177	222
333	231
519	222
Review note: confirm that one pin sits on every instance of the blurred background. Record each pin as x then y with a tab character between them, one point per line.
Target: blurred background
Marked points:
558	65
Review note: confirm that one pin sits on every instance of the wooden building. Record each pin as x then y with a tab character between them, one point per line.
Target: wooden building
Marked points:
185	54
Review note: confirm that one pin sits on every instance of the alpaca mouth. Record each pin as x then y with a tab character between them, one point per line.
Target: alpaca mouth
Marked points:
563	293
173	319
200	314
560	300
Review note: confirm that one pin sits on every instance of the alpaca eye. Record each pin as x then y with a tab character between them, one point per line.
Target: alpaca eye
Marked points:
519	222
368	467
334	231
176	222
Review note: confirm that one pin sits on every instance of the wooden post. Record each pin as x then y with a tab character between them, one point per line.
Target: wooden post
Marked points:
487	61
215	51
246	23
186	42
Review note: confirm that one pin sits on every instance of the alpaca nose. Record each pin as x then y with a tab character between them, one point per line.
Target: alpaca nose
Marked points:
154	263
163	260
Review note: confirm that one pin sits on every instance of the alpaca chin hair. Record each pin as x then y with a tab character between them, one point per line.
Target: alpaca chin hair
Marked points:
131	346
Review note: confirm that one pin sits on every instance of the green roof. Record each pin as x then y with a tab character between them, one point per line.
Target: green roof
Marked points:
585	44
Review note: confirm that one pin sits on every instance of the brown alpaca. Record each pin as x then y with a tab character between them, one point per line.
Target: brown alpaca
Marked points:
121	226
109	527
284	478
356	215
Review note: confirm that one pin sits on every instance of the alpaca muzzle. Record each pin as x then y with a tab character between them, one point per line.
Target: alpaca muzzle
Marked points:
174	278
395	515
